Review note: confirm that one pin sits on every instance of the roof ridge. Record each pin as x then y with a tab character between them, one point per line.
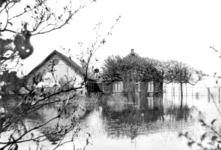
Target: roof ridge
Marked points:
132	53
66	59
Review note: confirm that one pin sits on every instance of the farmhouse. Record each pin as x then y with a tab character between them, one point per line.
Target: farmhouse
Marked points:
57	69
131	83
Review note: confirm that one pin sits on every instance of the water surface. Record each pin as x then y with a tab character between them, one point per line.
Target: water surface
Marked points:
125	126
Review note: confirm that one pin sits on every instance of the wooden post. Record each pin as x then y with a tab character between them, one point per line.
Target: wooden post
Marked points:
219	95
208	94
186	94
192	92
165	91
171	91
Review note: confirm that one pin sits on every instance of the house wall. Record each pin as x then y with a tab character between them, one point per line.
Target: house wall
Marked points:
62	74
107	88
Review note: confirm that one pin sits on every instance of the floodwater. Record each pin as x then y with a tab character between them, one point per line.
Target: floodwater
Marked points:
123	126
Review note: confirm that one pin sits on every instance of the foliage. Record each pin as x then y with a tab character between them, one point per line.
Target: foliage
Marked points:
179	72
23	19
210	140
111	68
21	101
116	67
217	77
19	98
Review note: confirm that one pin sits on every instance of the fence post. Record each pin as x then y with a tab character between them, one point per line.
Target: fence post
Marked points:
192	92
219	95
208	94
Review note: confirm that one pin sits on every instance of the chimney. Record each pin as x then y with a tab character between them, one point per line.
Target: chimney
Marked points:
132	51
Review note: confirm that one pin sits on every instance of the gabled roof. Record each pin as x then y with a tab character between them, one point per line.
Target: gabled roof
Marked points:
132	55
67	60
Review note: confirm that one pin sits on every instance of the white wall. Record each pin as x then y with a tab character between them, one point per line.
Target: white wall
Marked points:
61	72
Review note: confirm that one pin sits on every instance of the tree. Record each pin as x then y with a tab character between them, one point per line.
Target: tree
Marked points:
145	70
24	19
111	70
181	73
211	138
115	68
86	57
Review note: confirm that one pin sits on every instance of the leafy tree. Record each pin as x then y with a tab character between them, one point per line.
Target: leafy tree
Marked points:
116	68
181	73
111	70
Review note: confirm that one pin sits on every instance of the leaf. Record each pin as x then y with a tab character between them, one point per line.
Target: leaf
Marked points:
186	134
213	138
212	122
190	143
218	141
103	41
202	122
203	136
180	134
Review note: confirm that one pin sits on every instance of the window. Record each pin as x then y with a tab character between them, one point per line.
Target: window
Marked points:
118	86
150	87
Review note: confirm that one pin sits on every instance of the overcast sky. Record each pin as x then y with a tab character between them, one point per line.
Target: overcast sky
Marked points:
160	29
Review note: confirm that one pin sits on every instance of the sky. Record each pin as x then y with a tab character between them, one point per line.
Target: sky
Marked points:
159	29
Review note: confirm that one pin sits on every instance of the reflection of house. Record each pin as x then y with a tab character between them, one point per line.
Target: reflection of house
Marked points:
57	69
132	82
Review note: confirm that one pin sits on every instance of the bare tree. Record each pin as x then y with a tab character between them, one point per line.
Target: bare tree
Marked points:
22	20
86	57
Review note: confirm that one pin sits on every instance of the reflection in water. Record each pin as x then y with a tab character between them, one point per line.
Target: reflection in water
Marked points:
126	124
132	122
68	121
119	125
